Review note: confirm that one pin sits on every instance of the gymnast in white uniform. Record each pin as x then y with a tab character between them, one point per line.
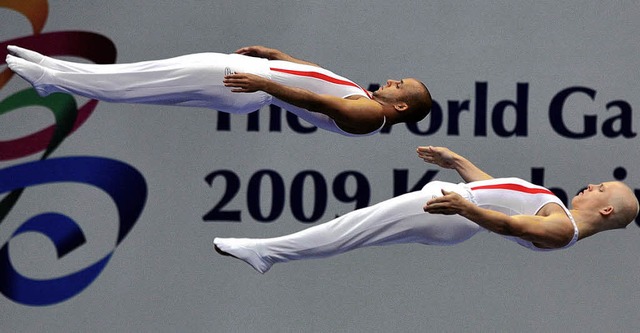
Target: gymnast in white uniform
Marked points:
446	214
235	83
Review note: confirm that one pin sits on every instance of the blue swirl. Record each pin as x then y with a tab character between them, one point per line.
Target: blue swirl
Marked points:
124	184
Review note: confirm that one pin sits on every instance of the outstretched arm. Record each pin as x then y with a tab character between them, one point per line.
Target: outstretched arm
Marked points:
445	158
358	116
550	231
271	54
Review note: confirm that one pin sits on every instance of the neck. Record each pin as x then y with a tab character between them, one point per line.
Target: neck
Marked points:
388	111
588	223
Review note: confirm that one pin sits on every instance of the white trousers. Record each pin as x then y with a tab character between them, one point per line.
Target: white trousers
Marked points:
189	80
397	220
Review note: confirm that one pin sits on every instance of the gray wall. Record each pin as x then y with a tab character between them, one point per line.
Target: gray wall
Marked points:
163	276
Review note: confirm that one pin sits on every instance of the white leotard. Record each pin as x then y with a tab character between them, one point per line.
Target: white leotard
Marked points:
513	196
319	81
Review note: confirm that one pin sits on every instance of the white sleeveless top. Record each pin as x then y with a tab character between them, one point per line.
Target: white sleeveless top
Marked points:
514	196
319	81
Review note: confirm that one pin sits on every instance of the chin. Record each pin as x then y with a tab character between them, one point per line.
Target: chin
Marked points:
573	200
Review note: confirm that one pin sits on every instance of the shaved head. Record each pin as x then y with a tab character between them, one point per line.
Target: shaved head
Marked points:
418	99
625	205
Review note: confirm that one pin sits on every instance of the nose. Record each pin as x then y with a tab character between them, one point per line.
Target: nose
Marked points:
390	82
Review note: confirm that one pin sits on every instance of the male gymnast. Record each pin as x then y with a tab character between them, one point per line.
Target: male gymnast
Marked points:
445	214
242	82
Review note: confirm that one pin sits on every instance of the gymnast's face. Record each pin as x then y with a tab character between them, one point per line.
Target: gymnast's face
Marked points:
396	90
593	194
601	195
609	197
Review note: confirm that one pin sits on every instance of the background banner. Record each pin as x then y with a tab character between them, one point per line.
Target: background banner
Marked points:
108	211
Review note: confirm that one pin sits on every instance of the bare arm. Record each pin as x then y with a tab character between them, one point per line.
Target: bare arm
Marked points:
358	116
549	231
271	54
445	158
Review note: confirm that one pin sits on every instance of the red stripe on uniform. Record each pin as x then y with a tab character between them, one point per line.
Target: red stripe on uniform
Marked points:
320	76
514	187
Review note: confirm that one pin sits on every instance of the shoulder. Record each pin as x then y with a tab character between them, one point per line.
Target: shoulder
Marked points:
361	98
361	106
554	210
555	229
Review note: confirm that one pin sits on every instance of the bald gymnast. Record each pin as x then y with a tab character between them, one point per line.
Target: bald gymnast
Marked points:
445	214
241	83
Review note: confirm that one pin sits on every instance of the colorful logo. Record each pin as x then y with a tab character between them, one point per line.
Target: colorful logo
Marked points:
125	185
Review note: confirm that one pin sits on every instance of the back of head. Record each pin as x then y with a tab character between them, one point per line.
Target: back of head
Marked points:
625	207
419	104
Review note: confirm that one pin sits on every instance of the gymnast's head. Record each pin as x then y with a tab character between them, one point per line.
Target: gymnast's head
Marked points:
408	100
614	202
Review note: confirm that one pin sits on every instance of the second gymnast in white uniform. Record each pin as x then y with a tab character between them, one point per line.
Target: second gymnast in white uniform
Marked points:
446	214
235	83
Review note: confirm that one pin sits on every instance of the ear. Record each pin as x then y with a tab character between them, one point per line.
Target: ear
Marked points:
400	106
606	211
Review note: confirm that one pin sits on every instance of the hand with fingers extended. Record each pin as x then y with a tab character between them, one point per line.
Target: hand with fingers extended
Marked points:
271	54
245	83
260	52
445	158
449	203
440	156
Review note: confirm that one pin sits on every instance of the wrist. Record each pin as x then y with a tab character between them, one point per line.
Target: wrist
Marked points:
275	54
468	211
267	86
458	162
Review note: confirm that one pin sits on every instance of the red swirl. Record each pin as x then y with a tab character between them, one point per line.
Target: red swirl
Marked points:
91	46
